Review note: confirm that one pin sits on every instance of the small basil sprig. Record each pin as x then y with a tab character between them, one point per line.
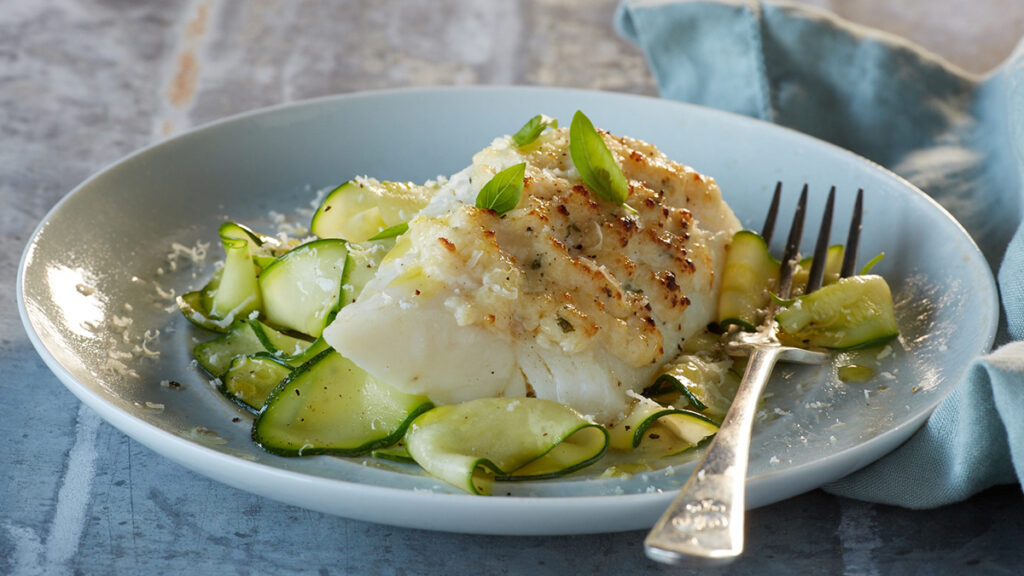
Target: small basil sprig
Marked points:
594	161
532	129
502	192
871	264
391	231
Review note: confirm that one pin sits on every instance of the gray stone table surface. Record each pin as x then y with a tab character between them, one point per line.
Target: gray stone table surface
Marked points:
84	82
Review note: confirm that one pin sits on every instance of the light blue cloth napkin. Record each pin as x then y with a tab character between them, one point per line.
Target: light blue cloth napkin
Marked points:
957	137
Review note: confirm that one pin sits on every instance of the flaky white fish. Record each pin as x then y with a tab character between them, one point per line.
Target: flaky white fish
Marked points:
567	297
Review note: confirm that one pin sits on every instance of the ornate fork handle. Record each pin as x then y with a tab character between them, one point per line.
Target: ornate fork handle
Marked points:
705	522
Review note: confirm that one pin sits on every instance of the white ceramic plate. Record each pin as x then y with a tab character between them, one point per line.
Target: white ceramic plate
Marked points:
90	281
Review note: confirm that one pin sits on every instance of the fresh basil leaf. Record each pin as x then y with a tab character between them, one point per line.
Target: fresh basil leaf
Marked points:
781	301
391	231
532	130
502	192
871	264
594	161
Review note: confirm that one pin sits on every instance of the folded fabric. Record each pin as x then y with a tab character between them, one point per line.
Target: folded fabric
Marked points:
957	136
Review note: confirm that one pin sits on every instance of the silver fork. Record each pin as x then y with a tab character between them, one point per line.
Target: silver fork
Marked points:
704	524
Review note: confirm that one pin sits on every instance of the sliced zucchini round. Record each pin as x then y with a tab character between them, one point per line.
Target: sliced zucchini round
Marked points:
251	337
250	379
749	274
471	444
361	267
855	312
216	355
656	431
361	209
237	292
302	289
330	406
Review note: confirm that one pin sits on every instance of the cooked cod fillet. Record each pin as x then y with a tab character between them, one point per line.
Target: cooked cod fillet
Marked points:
567	297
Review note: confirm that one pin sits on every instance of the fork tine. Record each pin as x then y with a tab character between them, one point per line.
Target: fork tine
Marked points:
773	213
853	238
817	272
796	231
